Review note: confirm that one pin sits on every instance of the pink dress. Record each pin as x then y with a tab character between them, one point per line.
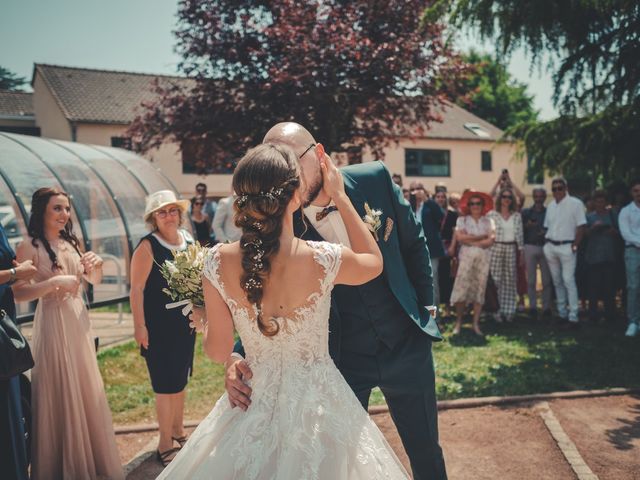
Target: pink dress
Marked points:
73	434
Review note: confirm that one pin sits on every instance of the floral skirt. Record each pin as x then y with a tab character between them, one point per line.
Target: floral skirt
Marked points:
471	279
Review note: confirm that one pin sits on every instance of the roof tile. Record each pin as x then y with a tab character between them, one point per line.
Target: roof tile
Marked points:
16	104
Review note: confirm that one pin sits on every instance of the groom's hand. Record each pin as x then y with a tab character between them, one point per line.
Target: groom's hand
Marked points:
237	372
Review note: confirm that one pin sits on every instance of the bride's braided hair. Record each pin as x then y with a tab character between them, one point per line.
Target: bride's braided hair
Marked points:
264	180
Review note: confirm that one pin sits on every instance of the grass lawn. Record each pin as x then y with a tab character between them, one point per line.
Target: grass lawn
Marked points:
514	359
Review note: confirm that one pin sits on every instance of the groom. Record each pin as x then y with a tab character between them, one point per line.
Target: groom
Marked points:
380	332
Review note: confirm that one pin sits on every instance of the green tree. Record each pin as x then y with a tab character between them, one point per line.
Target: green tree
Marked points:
10	81
595	58
493	95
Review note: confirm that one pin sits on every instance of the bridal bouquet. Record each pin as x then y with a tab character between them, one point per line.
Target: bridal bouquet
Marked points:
184	278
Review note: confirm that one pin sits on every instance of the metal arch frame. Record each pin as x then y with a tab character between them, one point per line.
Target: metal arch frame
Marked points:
146	191
127	230
87	240
160	172
14	193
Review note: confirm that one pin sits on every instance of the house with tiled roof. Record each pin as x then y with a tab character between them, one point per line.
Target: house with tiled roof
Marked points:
16	113
96	107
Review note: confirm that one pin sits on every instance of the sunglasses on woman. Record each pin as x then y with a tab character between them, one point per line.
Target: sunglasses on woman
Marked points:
475	204
163	213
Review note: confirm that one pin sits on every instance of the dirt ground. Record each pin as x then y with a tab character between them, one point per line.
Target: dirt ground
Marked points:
606	432
506	443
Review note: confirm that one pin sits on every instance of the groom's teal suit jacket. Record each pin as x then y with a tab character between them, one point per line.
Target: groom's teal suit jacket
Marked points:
407	266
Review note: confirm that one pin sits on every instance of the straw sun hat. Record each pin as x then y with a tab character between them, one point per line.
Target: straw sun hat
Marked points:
162	198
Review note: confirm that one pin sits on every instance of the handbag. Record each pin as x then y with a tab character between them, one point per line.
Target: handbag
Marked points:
15	354
491	303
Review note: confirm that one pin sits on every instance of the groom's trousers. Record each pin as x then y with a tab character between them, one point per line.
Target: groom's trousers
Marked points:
406	377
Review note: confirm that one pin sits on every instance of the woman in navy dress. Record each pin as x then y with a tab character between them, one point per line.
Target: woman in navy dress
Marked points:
166	340
13	449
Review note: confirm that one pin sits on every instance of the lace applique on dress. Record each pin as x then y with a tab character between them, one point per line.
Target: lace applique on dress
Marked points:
304	421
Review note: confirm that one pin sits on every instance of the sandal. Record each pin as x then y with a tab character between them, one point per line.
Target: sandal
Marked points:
163	457
181	440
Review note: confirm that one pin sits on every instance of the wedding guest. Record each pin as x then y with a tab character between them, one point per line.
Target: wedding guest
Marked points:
72	428
397	179
13	448
504	181
506	252
629	221
224	225
209	208
166	340
441	187
600	256
201	221
430	216
418	196
447	226
475	232
533	225
565	221
454	201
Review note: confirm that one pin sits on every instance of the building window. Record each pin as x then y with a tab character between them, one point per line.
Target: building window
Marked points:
427	163
486	161
193	162
477	130
121	142
535	172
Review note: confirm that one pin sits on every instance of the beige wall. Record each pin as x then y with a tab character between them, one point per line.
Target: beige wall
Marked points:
11	122
49	117
465	158
167	158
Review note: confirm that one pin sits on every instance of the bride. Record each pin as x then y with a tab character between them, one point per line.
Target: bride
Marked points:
304	421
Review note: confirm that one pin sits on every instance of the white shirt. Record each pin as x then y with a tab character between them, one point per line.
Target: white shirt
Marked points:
564	218
419	212
629	223
508	228
224	227
331	227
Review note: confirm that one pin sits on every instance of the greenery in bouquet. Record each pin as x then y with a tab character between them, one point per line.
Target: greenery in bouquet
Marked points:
184	275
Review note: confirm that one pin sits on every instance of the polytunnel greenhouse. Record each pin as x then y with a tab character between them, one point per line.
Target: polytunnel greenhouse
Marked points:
107	188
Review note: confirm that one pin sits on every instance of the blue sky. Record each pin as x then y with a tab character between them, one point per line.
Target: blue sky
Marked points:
136	35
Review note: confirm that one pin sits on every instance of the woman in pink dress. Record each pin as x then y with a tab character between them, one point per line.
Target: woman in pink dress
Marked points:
73	434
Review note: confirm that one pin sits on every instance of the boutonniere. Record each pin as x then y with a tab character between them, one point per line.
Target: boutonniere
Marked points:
372	219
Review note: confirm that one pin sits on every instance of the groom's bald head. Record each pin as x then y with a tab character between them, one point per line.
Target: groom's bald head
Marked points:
299	139
291	134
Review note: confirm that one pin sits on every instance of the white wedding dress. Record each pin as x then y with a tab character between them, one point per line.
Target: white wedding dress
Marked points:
304	421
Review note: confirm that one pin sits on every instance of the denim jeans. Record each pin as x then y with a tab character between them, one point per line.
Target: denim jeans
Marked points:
632	265
562	265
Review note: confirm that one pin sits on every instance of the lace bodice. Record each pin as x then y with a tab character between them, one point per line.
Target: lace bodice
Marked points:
303	336
304	421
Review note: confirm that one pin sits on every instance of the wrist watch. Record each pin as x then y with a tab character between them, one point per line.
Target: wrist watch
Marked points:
14	276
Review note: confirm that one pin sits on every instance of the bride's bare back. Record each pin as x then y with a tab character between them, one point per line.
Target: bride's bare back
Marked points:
294	277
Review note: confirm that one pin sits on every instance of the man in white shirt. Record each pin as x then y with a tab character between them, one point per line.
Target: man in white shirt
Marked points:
224	227
629	223
565	222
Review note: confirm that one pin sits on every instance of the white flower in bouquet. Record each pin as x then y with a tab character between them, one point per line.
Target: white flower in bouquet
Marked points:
184	278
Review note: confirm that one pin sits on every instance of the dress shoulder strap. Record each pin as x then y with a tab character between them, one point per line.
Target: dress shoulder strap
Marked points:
210	270
329	256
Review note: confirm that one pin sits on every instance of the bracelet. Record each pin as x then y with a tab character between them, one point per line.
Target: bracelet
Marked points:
13	277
